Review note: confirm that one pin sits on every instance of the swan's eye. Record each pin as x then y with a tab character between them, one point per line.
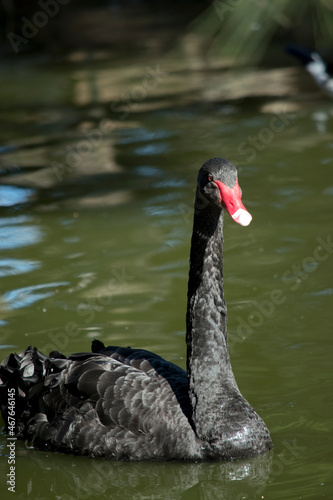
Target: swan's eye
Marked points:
210	178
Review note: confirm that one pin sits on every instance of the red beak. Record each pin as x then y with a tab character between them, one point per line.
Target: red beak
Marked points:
230	199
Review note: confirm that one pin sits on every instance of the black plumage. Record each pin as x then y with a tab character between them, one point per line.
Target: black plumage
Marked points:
123	403
319	69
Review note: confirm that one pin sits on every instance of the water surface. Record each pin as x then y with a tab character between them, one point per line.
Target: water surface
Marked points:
98	177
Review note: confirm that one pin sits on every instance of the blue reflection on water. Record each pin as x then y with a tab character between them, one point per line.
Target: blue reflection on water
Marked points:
142	134
11	267
16	233
152	149
13	195
23	297
326	291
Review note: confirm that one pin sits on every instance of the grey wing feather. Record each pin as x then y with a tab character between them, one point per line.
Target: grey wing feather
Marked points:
119	403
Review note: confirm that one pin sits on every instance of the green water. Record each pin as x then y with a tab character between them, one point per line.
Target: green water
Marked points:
95	226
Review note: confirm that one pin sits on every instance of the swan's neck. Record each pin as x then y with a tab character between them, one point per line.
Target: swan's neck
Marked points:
208	362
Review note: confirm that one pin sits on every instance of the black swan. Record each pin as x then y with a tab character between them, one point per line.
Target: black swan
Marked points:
123	403
315	65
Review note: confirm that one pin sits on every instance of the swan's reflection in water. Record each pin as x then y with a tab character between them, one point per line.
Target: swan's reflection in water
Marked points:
69	478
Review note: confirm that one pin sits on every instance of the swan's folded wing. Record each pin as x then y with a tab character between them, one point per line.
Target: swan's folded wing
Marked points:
99	405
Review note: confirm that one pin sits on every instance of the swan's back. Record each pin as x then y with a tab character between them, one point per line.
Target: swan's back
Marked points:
115	402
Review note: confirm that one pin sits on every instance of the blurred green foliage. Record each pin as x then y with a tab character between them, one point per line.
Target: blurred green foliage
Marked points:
243	29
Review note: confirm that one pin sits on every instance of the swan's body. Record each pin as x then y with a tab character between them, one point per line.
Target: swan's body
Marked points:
124	403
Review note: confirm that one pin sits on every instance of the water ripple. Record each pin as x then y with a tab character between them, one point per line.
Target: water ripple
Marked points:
141	134
12	195
152	149
326	291
15	235
11	267
23	297
148	171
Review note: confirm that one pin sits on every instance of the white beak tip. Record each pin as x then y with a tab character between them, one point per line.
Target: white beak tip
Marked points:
242	217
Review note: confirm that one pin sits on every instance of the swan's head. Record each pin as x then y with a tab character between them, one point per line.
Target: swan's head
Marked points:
218	184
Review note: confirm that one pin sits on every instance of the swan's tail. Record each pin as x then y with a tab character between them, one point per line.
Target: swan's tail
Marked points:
22	381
